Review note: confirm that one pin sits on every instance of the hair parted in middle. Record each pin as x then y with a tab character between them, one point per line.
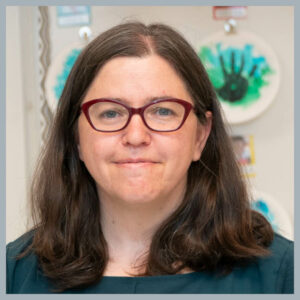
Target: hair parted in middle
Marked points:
214	228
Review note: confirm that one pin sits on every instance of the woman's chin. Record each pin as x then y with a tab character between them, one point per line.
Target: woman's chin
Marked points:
137	198
137	195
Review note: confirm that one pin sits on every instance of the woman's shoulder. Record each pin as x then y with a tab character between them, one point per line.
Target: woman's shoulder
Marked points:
282	251
280	244
19	268
19	245
278	267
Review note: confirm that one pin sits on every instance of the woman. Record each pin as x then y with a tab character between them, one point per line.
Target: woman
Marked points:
138	189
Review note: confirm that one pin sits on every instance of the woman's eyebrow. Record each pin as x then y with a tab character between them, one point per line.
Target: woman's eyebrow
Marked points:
147	100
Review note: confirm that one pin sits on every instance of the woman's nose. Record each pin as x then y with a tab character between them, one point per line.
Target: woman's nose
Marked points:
136	133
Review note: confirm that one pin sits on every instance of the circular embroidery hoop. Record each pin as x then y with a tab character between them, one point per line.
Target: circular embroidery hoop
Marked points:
273	212
244	71
58	73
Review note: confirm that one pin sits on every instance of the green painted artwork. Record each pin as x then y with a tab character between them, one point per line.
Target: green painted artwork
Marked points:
236	74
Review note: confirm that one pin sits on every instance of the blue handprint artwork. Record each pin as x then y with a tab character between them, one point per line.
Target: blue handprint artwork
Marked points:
261	206
61	78
236	73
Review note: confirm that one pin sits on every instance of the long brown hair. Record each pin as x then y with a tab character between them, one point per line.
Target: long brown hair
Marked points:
213	229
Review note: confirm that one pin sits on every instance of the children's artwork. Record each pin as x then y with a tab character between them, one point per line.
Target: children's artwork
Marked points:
58	73
243	147
73	15
274	213
244	71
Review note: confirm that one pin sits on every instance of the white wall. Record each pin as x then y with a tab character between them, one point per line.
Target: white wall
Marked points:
273	131
22	115
15	134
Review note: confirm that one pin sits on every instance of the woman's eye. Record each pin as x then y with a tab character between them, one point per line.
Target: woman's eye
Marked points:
109	114
163	112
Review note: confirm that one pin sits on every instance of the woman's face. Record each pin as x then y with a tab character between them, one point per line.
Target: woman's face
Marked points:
137	165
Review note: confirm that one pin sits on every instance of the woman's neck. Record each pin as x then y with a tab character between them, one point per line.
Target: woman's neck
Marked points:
129	228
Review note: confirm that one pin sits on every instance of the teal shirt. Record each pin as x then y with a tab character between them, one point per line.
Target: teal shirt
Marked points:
273	274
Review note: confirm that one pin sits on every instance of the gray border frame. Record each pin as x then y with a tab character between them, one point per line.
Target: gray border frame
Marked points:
4	3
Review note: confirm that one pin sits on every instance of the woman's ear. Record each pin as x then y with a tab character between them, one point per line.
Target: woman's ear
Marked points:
203	131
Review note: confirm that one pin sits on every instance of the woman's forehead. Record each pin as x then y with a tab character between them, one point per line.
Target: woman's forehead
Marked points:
146	78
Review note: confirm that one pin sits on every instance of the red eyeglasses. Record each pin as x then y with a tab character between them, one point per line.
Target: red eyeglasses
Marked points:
165	115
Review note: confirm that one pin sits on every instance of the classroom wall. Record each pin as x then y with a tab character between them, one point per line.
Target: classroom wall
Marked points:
273	131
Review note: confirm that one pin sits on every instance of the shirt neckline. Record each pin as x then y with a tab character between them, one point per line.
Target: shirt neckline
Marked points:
152	278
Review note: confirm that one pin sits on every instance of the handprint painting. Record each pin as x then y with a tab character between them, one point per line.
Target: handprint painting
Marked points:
237	74
58	72
63	75
244	72
274	212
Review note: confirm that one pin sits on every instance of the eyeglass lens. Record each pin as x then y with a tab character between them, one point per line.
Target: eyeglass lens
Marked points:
161	116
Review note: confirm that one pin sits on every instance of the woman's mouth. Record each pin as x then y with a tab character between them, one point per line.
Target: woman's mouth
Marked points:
135	162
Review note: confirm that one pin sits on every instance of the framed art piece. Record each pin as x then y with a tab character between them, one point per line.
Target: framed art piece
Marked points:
58	72
243	146
244	71
274	212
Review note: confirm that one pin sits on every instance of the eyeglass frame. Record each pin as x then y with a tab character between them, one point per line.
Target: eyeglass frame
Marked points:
140	111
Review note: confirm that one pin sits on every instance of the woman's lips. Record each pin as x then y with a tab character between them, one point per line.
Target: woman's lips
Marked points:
137	162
